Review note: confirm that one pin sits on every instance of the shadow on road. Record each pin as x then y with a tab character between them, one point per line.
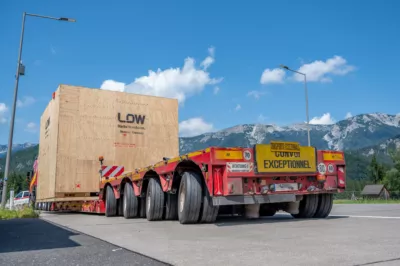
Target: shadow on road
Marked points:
33	234
278	218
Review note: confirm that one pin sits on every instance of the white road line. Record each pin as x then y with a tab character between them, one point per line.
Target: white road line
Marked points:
365	216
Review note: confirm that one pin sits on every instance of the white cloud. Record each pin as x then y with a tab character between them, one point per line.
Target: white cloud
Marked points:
320	71
272	76
3	111
194	127
26	101
325	119
255	94
261	118
112	85
31	127
178	83
348	115
216	90
238	107
209	60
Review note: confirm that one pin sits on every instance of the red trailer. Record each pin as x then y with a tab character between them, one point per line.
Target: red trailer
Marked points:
196	187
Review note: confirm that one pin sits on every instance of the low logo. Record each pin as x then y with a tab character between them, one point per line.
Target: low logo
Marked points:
131	118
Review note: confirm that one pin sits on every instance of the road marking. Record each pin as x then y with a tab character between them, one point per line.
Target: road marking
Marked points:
366	216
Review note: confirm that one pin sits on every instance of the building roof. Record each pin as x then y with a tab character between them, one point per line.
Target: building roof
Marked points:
372	190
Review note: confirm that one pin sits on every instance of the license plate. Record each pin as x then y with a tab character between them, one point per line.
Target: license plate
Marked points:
286	187
285	157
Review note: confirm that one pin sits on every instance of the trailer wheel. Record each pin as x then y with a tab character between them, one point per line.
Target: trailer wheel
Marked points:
111	202
171	206
266	210
154	200
189	198
325	202
308	207
130	202
209	212
142	207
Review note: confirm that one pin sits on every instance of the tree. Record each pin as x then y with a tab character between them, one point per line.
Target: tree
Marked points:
392	177
376	170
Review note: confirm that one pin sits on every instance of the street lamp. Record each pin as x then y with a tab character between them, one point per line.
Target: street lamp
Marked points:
20	71
306	94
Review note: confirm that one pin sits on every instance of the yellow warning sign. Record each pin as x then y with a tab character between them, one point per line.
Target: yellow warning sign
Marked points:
285	157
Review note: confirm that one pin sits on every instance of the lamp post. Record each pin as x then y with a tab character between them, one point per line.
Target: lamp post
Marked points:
20	71
306	94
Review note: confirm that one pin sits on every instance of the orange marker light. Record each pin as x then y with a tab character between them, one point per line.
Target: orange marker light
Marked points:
321	178
101	158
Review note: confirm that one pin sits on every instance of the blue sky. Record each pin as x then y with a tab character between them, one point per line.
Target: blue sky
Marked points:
219	59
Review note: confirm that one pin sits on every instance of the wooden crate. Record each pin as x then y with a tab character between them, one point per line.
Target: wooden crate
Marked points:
80	124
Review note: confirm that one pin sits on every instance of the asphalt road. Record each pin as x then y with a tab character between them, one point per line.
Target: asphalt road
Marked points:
353	235
38	242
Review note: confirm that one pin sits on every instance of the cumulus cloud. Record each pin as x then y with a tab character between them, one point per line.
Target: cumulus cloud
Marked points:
31	127
348	115
272	76
216	90
3	111
238	107
255	94
320	71
26	101
209	60
178	83
325	119
194	127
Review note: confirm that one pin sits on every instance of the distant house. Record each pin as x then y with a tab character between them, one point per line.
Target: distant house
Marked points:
375	191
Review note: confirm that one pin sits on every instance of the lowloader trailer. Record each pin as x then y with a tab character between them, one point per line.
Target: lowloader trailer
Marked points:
198	186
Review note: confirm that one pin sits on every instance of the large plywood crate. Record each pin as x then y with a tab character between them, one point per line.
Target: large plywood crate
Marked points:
80	124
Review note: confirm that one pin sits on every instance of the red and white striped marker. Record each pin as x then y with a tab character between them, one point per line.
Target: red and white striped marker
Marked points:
112	171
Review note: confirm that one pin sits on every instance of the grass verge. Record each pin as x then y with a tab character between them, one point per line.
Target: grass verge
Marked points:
26	212
367	201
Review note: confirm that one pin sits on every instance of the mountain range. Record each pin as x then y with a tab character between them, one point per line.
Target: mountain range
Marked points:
362	135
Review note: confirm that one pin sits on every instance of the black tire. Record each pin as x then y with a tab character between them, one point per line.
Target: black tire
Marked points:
308	207
111	203
120	205
142	207
154	200
171	206
189	198
130	202
325	203
209	212
266	210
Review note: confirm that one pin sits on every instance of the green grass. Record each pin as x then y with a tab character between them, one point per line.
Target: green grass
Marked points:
367	201
26	212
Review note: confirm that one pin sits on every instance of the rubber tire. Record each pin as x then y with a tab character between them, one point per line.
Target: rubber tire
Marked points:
154	200
325	203
142	207
209	212
266	210
171	206
120	205
189	198
130	202
308	207
111	203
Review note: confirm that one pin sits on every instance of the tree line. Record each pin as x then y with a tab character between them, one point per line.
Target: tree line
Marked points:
16	182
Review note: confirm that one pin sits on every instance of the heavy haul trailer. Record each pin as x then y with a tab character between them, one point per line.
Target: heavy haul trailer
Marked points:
198	186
